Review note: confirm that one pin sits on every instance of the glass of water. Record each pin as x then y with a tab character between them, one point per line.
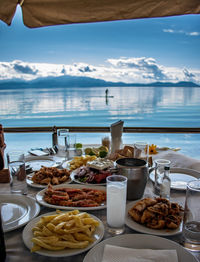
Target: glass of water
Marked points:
141	151
160	165
116	203
62	142
191	220
71	146
16	165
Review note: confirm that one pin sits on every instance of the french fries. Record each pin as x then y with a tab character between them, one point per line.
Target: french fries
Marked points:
79	161
70	229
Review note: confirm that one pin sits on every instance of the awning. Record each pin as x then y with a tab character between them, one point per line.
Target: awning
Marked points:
38	13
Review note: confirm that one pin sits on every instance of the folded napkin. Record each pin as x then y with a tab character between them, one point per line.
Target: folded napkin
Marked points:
116	130
123	254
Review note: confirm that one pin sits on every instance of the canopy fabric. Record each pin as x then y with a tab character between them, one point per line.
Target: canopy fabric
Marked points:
39	13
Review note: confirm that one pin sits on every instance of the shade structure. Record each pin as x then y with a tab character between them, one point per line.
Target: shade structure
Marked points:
39	13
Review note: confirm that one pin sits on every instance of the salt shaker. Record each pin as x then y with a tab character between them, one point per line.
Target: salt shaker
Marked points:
165	184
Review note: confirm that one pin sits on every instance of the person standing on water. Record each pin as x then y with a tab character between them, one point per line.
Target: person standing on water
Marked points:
106	95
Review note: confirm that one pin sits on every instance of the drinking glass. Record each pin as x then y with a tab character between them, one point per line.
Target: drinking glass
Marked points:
62	142
16	165
141	151
191	220
105	141
71	146
160	165
116	203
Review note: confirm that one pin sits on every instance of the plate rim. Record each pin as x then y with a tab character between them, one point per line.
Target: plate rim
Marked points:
31	158
142	229
132	239
39	198
35	185
31	204
186	171
51	253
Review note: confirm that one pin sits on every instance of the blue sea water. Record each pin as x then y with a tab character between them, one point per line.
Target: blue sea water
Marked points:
136	106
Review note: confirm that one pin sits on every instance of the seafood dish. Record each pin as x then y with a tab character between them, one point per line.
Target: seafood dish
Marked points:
158	213
50	175
74	197
94	172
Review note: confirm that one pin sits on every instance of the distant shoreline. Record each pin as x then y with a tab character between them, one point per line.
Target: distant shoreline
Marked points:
74	81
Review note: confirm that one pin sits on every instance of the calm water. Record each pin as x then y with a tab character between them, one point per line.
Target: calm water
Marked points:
136	106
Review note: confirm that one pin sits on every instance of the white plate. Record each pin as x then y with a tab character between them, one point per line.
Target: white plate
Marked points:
143	229
17	210
139	241
66	164
179	177
39	198
36	162
27	235
82	183
32	184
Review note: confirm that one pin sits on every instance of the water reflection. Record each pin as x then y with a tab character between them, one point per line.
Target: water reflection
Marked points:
137	106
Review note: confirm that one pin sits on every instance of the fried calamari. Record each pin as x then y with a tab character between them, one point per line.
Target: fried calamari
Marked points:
157	213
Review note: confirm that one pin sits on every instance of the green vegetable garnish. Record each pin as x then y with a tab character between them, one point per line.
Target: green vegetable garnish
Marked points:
79	145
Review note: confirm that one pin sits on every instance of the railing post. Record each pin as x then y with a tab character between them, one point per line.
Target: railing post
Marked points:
54	136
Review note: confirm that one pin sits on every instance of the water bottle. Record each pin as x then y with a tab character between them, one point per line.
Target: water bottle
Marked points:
165	184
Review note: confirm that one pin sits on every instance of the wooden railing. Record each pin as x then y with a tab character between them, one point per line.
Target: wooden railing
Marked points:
91	129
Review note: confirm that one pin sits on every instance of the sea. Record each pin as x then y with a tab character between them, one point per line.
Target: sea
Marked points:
89	106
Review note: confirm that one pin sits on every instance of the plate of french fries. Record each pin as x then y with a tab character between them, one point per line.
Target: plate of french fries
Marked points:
73	196
63	233
77	162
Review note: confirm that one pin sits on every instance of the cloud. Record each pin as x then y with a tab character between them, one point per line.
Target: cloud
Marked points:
87	69
4	65
24	69
168	31
188	75
194	33
63	71
172	31
123	69
146	65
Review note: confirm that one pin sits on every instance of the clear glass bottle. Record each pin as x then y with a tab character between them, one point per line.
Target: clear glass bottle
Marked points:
165	184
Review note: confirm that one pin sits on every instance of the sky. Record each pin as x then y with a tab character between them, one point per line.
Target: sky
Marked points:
132	51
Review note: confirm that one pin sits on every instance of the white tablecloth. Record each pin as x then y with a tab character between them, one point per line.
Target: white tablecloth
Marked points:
179	160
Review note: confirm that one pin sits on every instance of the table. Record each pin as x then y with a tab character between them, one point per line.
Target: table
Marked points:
17	251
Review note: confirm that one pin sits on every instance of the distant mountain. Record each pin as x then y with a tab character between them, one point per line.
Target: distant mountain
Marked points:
76	81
